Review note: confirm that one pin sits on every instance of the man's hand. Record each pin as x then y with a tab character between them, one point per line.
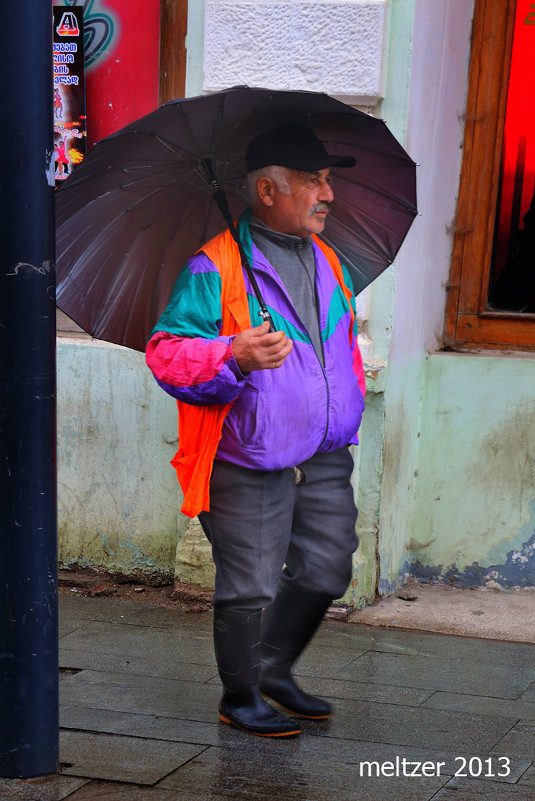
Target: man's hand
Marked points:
257	349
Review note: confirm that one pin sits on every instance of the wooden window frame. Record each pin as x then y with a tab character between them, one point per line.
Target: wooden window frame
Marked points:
173	31
469	323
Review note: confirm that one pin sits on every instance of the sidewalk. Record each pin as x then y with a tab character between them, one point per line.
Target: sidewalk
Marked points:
139	692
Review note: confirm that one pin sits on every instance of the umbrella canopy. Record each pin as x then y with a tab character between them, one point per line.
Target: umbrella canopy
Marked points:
141	204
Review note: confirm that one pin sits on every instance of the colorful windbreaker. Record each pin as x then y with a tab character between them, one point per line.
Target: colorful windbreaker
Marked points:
279	418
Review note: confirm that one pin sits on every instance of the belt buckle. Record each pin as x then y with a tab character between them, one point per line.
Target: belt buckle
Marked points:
298	475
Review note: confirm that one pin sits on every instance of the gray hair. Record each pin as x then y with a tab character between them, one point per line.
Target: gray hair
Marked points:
276	173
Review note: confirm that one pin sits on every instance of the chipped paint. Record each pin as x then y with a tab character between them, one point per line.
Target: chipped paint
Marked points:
517	572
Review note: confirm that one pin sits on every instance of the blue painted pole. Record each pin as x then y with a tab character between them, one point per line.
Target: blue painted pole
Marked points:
29	742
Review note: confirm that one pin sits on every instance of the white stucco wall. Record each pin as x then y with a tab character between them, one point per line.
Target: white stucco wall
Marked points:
333	46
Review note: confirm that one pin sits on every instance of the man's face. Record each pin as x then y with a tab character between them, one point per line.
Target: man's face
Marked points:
304	210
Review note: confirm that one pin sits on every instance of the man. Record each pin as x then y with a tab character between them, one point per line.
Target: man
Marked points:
264	421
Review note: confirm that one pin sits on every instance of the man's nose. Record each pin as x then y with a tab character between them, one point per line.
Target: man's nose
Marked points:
326	193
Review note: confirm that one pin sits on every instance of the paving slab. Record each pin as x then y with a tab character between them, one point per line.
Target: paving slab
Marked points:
440	673
111	791
278	773
325	661
141	695
483	790
484	651
482	705
331	749
387	723
320	750
529	694
44	788
412	726
520	741
152	727
528	777
167	665
131	639
125	759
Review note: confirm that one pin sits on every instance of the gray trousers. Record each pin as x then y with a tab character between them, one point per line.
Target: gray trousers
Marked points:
263	521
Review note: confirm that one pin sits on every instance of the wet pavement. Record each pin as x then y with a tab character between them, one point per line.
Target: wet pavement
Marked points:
417	716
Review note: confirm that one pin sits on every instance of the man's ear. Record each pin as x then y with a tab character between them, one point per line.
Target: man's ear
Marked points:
265	188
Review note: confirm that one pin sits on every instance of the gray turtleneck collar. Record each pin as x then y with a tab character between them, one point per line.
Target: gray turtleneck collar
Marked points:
293	260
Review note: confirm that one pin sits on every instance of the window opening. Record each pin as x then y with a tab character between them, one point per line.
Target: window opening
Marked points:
512	276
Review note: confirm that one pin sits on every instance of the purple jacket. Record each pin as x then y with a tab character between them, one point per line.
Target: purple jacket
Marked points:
280	417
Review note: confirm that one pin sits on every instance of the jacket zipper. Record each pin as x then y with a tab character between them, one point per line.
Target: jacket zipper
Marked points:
322	366
261	269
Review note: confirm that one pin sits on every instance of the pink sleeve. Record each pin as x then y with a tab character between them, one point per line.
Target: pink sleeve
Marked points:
184	362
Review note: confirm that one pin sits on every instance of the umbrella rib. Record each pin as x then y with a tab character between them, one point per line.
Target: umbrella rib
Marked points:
101	238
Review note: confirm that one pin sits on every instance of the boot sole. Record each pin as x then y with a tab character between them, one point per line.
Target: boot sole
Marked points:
295	714
230	722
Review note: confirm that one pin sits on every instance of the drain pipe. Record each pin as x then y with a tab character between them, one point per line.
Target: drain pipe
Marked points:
29	743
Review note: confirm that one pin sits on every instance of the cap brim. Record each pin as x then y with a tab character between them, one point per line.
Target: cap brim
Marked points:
344	161
321	163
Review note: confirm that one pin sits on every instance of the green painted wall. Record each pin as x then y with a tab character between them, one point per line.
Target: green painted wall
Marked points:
117	494
475	501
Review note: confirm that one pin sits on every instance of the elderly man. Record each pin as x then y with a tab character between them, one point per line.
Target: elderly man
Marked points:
265	418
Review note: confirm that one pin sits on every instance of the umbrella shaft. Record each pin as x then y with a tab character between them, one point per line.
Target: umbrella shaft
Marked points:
221	200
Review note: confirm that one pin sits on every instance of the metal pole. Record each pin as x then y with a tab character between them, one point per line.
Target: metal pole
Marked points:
29	744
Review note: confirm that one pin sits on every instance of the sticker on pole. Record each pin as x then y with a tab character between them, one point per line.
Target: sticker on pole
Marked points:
69	92
68	25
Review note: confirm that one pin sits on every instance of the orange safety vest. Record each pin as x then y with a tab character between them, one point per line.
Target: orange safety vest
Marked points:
200	427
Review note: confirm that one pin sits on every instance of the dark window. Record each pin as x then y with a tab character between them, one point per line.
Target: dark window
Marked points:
491	293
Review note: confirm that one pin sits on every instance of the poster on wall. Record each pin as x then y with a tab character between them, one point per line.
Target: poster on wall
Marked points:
122	61
69	91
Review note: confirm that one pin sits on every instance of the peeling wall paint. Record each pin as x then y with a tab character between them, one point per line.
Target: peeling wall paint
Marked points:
517	572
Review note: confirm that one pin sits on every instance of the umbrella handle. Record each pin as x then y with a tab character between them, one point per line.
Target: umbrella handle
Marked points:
222	203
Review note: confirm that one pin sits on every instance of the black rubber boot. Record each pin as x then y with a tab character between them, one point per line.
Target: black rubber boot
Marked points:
237	650
288	624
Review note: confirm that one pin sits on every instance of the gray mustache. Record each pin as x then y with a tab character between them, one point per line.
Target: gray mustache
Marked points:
321	206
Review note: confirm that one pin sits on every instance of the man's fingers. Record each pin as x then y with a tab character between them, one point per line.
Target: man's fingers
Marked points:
261	330
258	349
279	358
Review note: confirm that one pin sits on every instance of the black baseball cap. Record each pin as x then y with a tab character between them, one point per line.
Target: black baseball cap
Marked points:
294	146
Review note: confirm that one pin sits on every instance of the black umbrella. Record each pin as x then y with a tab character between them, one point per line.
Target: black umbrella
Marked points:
142	202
